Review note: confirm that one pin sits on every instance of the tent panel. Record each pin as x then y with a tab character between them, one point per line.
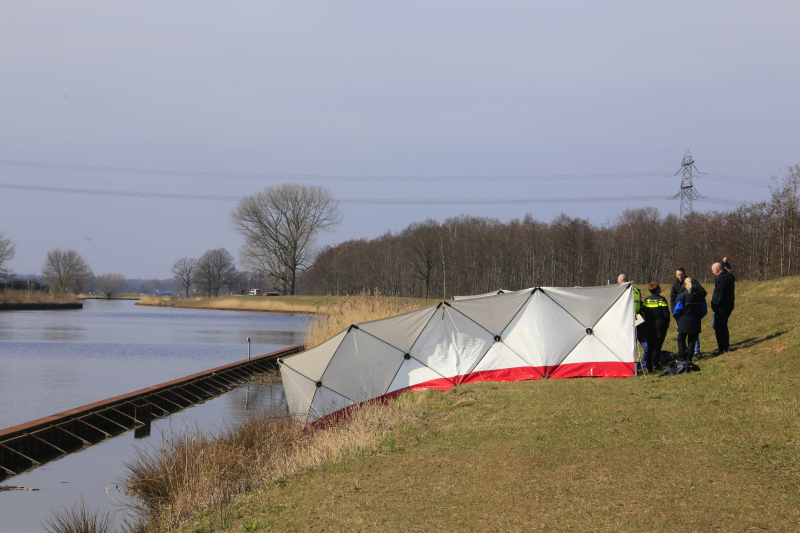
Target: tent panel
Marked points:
586	304
326	402
543	333
299	391
495	312
416	376
402	330
501	364
591	358
616	328
451	344
363	366
312	363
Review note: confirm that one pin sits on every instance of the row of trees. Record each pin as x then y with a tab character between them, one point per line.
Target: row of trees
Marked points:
471	255
213	272
63	271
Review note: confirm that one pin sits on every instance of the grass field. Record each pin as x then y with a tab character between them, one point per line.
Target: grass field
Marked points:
717	450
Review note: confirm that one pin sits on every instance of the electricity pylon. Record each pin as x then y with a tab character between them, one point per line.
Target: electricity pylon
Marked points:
688	193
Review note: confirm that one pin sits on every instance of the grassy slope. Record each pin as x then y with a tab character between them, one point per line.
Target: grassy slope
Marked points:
715	450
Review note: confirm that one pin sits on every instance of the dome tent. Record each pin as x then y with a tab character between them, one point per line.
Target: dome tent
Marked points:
539	333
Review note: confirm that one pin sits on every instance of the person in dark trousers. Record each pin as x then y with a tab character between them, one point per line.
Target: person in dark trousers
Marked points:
726	266
690	308
722	304
677	287
655	310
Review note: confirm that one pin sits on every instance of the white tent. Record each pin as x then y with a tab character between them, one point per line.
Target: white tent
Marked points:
546	332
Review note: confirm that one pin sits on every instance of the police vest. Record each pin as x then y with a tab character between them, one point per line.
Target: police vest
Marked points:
653	303
637	301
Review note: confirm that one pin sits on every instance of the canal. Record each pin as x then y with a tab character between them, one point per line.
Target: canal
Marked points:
54	360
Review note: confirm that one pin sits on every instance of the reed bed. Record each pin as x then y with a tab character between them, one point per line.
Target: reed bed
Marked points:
337	313
276	304
36	297
200	474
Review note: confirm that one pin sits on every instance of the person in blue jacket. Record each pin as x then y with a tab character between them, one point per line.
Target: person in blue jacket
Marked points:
688	312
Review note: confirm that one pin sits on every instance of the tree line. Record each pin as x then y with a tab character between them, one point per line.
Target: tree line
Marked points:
474	255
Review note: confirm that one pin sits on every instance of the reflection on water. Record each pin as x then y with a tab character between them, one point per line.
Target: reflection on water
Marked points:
51	361
89	473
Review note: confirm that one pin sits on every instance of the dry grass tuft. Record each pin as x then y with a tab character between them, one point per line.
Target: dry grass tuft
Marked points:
36	297
79	518
337	313
196	472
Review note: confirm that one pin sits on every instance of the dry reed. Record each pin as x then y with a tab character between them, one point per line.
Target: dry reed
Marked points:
195	472
36	297
79	518
337	313
232	303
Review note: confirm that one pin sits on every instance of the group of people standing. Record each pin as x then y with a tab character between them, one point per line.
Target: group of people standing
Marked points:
688	304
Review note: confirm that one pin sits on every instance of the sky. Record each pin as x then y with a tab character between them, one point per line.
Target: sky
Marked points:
128	130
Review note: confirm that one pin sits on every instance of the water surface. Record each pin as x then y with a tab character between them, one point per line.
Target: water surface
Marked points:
51	361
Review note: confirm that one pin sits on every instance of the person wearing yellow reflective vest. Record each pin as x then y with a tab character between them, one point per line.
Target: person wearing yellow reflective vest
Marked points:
655	310
641	331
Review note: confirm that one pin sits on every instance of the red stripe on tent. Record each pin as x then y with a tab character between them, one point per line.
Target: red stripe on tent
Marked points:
438	384
606	369
507	374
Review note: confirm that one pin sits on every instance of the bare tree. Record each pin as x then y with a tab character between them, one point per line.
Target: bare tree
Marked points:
109	284
213	268
423	243
66	270
7	251
185	270
279	225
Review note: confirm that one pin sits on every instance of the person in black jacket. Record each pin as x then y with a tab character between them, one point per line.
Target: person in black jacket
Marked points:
656	318
677	287
689	311
722	304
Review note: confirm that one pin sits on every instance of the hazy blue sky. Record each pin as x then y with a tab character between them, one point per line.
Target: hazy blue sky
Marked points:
410	101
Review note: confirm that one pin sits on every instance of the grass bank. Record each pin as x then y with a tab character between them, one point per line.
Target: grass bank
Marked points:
113	297
36	297
201	474
713	450
333	313
274	304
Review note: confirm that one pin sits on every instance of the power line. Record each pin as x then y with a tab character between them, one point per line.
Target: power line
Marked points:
75	167
373	201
